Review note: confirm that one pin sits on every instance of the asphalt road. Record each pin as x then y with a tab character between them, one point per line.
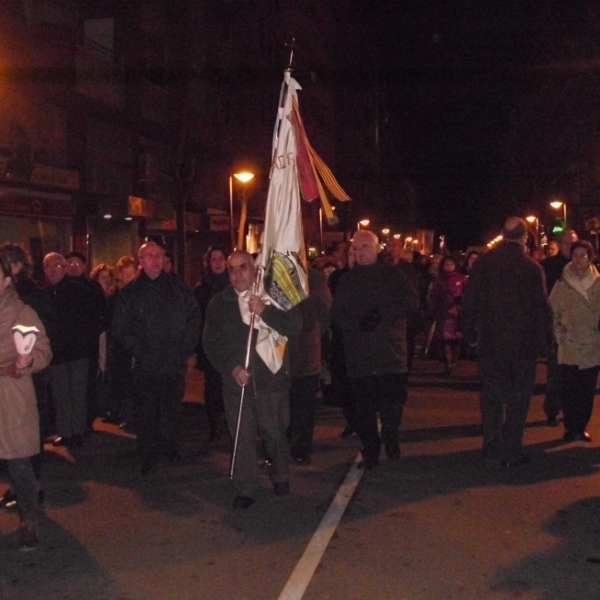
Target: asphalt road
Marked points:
433	525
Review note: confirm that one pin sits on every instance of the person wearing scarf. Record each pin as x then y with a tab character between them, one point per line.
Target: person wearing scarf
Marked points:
575	302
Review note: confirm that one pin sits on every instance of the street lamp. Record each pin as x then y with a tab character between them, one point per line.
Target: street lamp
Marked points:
533	219
363	222
243	177
556	205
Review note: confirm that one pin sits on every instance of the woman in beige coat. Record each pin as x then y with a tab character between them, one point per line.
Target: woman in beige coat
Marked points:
575	302
19	426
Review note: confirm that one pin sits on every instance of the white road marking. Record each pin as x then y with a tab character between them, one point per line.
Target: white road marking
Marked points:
308	563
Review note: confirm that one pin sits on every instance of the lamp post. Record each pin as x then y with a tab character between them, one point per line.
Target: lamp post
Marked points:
556	205
363	222
244	177
533	219
321	228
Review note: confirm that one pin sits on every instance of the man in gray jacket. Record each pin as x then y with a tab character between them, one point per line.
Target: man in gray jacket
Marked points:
506	314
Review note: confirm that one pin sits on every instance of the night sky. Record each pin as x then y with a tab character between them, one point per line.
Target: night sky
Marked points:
455	74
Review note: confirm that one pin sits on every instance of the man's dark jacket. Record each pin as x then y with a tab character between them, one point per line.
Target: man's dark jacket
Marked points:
553	267
158	322
376	289
224	341
67	309
505	306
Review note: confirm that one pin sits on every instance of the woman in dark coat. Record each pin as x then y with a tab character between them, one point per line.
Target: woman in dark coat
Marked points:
444	305
214	279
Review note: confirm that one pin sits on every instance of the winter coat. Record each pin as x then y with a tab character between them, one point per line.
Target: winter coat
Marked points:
576	310
204	292
505	309
444	304
305	348
158	322
225	337
19	421
370	307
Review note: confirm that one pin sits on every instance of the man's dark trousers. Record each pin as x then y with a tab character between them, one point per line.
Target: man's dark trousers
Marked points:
383	393
506	390
157	411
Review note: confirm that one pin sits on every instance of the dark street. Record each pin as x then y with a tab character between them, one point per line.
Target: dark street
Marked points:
433	525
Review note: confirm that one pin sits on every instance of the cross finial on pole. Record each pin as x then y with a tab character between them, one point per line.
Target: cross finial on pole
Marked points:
291	46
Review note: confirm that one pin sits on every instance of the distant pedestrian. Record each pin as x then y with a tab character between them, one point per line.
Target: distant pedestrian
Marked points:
306	365
214	280
444	308
575	302
553	267
506	314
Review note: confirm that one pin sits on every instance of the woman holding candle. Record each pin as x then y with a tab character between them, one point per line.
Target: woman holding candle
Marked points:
19	427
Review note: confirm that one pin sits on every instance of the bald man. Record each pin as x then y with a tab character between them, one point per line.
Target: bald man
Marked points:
371	305
505	313
157	321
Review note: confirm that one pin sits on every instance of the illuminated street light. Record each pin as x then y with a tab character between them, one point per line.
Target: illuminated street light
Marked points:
556	205
243	177
397	236
386	231
363	222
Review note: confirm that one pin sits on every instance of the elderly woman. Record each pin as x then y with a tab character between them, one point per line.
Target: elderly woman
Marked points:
575	301
19	424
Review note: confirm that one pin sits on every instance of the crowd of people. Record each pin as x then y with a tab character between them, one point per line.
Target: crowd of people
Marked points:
114	343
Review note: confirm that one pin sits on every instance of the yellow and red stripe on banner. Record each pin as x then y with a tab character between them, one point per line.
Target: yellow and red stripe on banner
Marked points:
313	171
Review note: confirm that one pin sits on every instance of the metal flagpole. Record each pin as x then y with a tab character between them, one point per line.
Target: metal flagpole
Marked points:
246	365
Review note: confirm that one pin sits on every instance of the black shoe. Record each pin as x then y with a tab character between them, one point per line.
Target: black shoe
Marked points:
524	460
552	421
173	456
302	461
113	418
148	466
281	488
9	499
367	463
242	502
392	451
62	442
347	432
570	436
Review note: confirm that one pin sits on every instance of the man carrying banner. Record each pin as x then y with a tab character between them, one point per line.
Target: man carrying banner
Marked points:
265	381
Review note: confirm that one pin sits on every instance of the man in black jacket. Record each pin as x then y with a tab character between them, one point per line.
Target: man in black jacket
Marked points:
505	313
69	304
157	320
371	305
